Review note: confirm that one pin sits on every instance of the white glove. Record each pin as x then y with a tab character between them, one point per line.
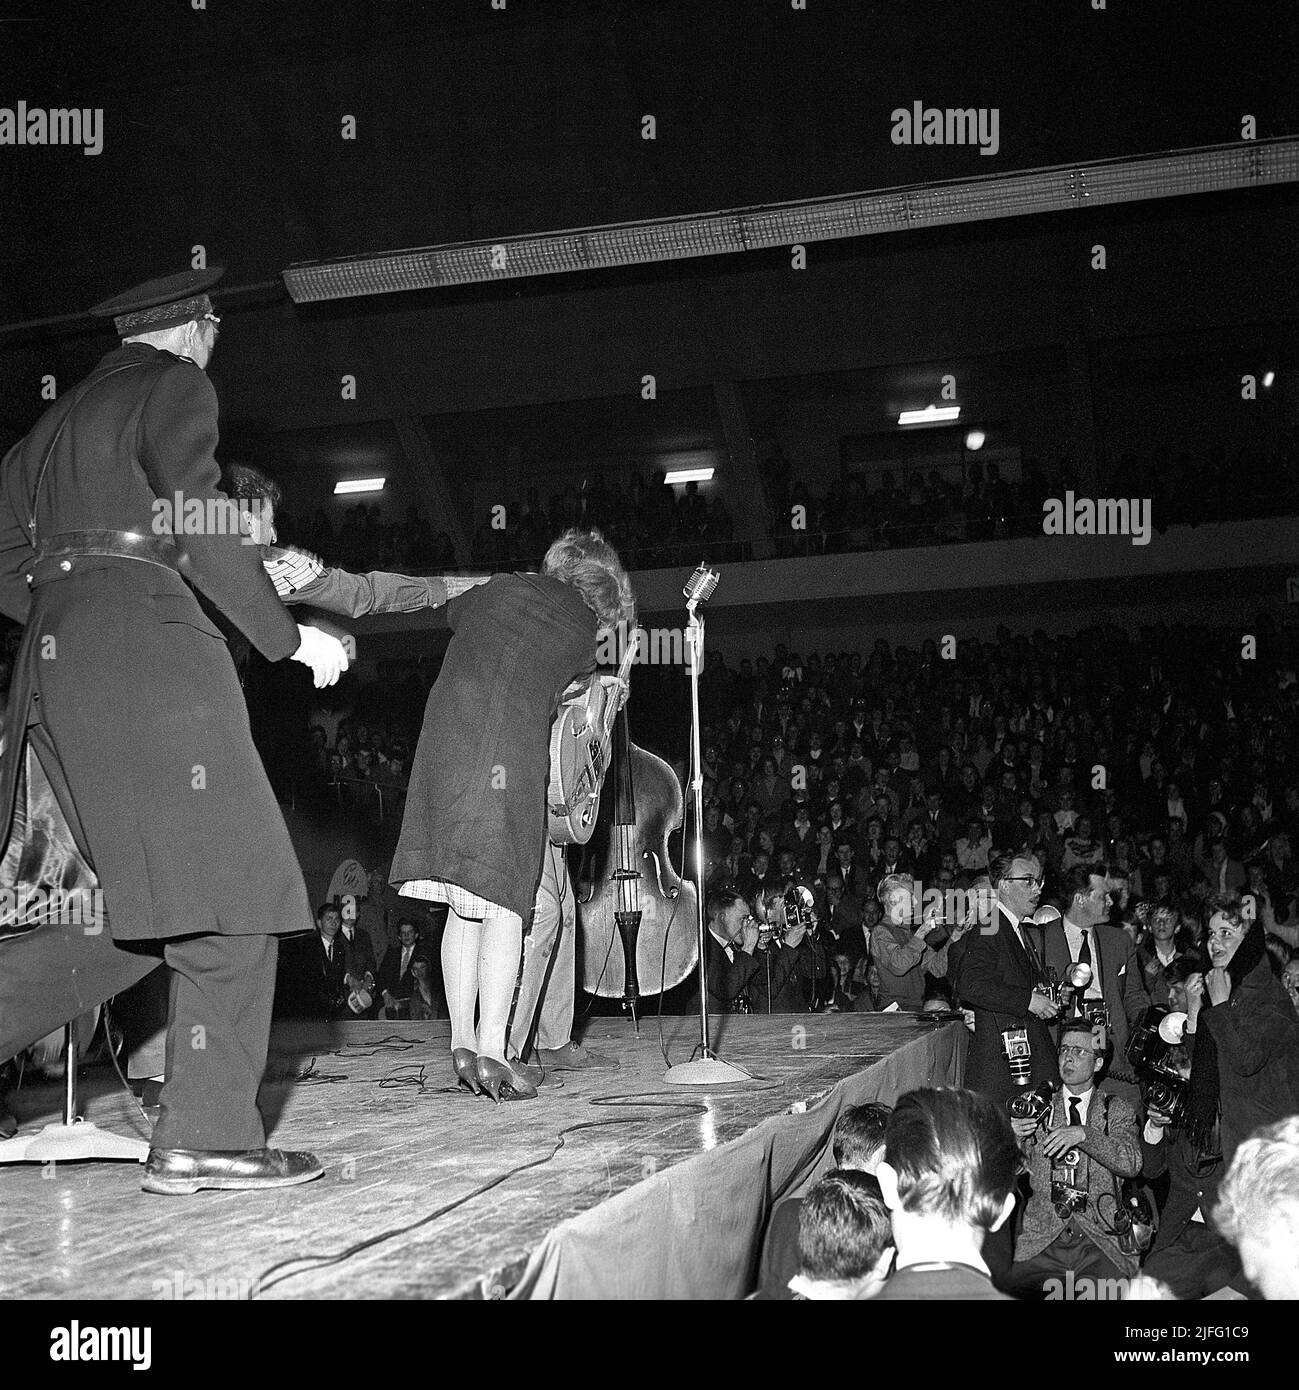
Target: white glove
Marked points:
323	653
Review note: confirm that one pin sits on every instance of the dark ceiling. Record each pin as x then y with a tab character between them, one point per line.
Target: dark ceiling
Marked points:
222	125
222	129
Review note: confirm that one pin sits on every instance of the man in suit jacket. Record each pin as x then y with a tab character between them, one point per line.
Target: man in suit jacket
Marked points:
939	826
325	966
1222	873
1083	936
396	982
843	920
358	948
1089	1143
995	971
737	972
1164	947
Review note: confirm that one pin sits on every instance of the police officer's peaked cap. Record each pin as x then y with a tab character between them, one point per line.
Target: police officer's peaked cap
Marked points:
162	303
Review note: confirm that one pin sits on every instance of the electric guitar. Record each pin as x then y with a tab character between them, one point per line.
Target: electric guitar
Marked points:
579	751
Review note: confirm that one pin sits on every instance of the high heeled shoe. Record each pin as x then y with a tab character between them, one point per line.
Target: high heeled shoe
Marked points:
465	1062
502	1082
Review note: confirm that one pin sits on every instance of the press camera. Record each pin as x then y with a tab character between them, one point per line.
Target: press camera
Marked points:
1150	1048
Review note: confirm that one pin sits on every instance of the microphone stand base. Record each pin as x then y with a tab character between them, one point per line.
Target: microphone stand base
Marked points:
74	1143
705	1071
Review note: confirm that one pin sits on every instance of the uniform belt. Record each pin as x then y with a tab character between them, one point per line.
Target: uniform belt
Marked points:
66	546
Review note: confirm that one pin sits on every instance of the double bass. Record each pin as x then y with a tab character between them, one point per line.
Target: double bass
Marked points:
639	923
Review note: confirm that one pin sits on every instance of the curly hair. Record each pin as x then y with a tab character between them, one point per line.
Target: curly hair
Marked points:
243	480
585	560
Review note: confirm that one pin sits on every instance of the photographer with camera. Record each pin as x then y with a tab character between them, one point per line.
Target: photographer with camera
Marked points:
793	957
753	965
1116	992
906	945
1079	1146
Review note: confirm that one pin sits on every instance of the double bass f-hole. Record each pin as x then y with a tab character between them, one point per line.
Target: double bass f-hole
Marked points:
637	906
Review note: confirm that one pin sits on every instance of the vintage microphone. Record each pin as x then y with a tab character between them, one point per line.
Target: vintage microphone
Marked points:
708	1069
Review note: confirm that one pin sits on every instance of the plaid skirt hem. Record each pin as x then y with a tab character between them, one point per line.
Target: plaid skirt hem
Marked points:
464	903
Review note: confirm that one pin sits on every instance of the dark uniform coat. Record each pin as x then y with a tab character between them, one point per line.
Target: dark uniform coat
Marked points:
131	686
476	805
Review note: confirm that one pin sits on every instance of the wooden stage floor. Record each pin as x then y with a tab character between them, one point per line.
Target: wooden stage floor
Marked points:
419	1169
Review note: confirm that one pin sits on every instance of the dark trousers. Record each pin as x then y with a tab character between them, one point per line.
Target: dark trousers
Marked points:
1070	1250
222	988
1199	1262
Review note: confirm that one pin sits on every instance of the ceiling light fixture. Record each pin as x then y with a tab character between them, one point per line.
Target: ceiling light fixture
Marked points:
1059	188
930	415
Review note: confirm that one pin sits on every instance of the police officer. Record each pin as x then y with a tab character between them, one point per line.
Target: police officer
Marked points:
129	700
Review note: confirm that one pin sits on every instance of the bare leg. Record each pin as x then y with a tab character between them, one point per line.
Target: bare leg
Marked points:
498	974
460	953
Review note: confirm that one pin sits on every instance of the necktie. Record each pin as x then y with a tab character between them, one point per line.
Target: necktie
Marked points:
1074	1117
1085	951
1030	951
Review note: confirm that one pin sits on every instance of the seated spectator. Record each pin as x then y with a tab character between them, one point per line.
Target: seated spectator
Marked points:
1258	1208
948	1177
842	989
1082	847
821	859
845	1240
842	920
322	962
857	1145
396	982
973	847
1220	872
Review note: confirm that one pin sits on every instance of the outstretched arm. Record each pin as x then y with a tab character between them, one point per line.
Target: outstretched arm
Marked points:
301	578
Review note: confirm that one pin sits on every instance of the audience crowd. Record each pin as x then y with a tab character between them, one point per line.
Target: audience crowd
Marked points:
1166	759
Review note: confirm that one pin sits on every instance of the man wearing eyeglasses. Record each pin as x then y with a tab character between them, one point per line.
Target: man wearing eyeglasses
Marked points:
1077	1155
996	971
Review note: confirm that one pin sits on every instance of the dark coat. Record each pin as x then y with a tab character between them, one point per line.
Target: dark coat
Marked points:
133	685
991	973
1257	1036
324	984
1193	1184
358	954
778	981
401	985
476	806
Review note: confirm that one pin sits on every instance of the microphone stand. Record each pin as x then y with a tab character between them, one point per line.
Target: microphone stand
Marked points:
708	1069
74	1140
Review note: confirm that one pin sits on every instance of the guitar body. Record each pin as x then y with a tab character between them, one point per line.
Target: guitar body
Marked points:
577	765
580	737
